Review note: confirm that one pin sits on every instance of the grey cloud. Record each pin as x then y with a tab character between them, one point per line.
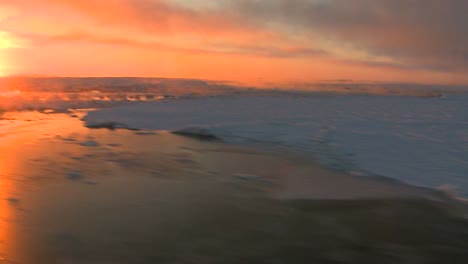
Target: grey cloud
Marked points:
423	33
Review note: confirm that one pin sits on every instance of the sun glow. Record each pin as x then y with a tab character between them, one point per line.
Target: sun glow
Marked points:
6	41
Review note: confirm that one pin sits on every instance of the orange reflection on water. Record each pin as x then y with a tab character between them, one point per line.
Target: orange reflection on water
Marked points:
24	138
8	201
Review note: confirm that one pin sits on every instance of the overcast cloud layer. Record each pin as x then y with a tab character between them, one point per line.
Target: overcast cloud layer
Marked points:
418	35
428	33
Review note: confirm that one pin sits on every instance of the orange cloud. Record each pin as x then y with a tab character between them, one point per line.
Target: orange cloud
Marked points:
270	41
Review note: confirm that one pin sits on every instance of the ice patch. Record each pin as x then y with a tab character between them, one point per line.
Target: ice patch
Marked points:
108	124
74	175
145	133
89	144
197	133
13	200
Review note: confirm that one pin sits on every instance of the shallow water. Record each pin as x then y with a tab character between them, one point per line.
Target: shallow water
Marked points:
69	194
76	195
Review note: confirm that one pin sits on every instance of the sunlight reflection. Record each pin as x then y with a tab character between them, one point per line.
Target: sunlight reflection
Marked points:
24	140
8	201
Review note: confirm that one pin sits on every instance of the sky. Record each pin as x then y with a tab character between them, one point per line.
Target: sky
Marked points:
248	41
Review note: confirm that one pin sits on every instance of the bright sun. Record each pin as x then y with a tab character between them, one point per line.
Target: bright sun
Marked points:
6	42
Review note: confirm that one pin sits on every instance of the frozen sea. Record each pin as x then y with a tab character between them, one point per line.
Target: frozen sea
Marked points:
418	138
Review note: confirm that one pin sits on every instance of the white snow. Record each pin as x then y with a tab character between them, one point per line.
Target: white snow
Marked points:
420	141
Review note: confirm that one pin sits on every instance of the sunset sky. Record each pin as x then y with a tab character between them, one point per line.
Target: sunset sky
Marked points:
422	41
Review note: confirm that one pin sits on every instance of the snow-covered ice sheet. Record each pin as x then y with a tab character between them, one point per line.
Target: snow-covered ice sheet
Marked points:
422	141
